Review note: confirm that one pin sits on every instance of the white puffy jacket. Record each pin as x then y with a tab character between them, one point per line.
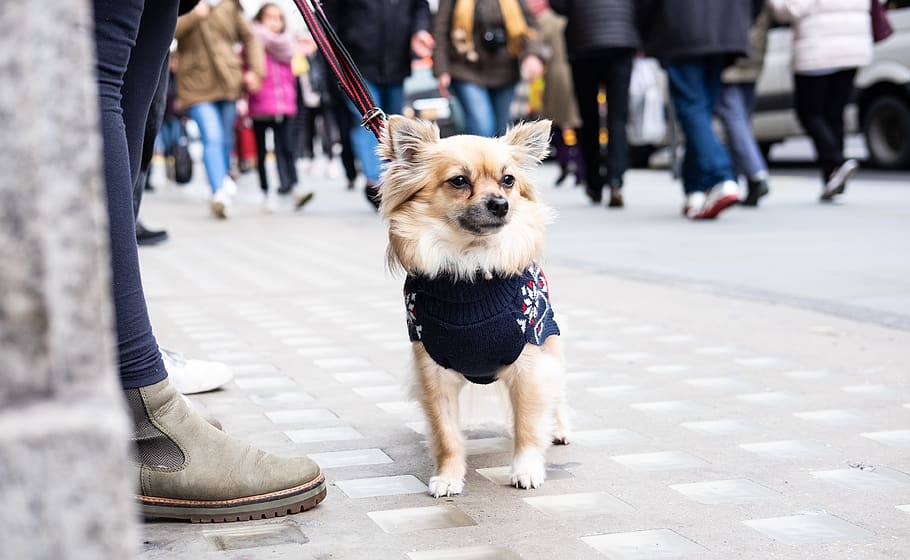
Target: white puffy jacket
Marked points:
827	33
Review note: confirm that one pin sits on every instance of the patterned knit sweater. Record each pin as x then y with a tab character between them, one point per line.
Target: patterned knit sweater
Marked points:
475	327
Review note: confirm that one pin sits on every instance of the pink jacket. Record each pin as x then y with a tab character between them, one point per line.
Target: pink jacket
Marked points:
278	95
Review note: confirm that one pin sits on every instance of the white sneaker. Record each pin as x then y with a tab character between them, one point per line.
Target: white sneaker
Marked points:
269	203
720	197
229	186
220	204
694	204
837	183
194	376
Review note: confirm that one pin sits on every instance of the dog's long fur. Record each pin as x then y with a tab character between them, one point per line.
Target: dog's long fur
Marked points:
437	227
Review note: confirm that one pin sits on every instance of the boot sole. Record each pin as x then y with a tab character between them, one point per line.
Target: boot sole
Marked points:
264	506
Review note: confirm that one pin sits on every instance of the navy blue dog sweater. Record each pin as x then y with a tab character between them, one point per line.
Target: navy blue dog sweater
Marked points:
477	326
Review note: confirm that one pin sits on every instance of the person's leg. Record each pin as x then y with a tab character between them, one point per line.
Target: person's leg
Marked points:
733	110
840	88
227	113
284	155
618	76
811	98
152	126
694	86
478	109
207	119
501	99
117	28
259	128
585	78
225	479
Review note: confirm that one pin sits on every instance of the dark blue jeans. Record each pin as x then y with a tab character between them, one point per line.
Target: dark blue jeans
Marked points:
694	88
131	41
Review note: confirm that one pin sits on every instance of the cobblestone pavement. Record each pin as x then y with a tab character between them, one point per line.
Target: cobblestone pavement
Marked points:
706	426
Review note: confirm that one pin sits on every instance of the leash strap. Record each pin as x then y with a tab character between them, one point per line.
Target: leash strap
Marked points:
339	60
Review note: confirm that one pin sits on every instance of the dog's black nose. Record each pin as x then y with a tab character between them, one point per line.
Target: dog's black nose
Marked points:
498	206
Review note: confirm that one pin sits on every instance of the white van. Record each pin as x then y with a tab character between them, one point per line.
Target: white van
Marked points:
881	106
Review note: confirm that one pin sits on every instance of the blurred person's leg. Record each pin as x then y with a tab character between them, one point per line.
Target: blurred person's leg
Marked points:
734	108
618	76
586	79
284	153
225	479
501	99
227	113
811	99
707	174
211	132
479	115
260	126
363	141
342	116
839	92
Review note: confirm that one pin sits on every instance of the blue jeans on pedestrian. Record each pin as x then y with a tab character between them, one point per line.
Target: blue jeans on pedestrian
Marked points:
486	110
734	109
694	88
168	135
216	127
390	98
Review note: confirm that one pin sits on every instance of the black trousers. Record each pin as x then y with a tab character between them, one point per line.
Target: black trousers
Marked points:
612	69
131	41
308	131
820	104
282	129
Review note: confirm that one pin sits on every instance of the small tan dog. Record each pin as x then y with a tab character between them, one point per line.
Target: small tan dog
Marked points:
467	228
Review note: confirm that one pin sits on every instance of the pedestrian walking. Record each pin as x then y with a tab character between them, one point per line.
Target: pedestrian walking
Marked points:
210	80
602	39
274	105
734	109
831	40
184	467
483	48
695	40
558	94
316	116
380	36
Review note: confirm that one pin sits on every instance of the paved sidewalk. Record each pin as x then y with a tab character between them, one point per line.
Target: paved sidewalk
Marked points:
706	426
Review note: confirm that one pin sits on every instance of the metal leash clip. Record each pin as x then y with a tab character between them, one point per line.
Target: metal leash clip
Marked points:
372	115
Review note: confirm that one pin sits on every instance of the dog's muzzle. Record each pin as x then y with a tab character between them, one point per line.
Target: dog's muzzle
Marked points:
486	217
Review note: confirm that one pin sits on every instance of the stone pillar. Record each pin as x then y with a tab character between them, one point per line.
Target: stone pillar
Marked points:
65	490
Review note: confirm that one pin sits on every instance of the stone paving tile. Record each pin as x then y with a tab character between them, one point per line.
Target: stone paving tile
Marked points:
745	430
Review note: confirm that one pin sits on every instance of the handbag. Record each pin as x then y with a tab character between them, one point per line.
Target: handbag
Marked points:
881	27
183	162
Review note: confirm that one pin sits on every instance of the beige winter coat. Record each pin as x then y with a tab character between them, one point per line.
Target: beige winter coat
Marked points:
209	67
558	93
747	69
827	34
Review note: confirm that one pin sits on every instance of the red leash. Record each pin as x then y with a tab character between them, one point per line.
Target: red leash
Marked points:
349	78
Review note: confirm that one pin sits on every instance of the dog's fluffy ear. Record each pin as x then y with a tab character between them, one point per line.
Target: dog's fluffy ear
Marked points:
530	142
403	138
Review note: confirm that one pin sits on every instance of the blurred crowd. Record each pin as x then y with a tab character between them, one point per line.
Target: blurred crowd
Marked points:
601	70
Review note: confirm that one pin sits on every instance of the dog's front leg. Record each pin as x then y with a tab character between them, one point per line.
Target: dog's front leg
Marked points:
532	412
437	390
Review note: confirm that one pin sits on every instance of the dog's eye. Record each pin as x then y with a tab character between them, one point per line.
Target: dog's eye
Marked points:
508	181
459	182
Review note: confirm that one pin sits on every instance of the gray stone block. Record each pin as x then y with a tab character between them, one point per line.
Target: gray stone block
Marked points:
64	484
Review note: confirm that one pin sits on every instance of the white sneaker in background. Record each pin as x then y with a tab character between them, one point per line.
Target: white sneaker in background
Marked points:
694	204
837	183
269	203
220	204
721	196
332	169
229	186
194	376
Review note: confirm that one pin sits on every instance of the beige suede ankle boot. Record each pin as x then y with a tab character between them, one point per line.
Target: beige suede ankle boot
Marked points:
187	469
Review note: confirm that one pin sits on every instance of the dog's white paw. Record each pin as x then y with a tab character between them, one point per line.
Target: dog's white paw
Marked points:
528	470
442	486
